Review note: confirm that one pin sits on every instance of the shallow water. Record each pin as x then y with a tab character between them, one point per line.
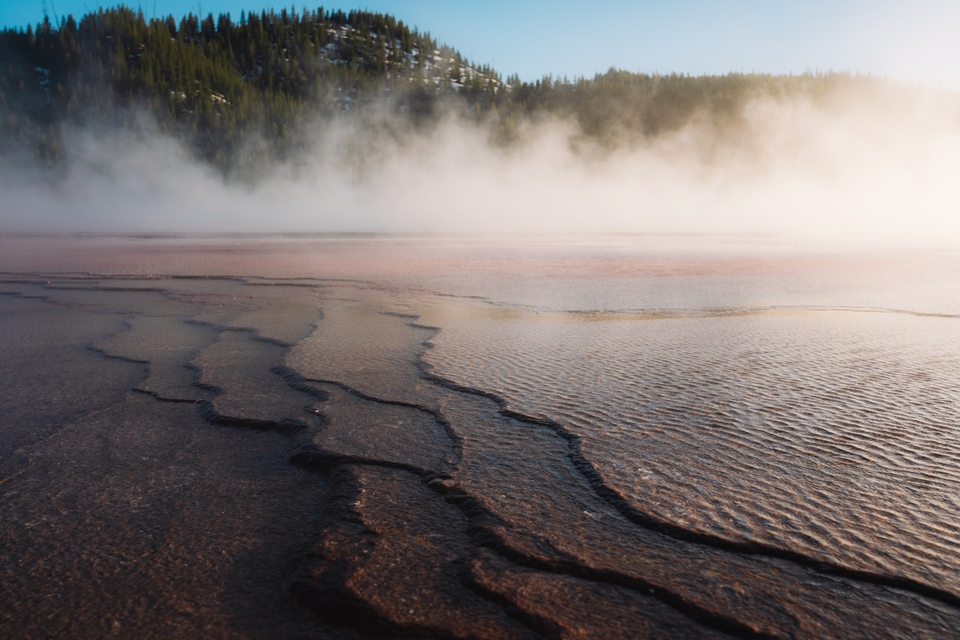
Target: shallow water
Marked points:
831	434
646	437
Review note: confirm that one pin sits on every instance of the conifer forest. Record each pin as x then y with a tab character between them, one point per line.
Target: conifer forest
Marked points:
218	83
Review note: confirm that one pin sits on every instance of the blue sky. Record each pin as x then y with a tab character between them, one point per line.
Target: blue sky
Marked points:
916	42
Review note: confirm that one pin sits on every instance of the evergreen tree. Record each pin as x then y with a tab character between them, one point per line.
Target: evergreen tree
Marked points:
211	81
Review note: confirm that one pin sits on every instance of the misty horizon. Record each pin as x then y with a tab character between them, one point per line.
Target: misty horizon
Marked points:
796	171
315	325
833	158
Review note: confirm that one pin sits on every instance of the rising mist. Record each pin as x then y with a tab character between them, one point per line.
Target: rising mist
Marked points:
117	124
864	167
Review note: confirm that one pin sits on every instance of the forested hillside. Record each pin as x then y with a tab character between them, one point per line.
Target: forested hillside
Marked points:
214	83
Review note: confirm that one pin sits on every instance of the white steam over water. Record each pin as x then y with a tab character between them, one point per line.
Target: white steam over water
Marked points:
878	170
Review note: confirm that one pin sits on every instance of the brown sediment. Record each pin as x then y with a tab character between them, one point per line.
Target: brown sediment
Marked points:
287	473
391	562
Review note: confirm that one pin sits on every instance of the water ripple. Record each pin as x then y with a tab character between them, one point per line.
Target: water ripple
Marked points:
830	433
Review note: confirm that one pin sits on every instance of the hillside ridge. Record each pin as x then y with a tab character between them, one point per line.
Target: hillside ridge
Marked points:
213	83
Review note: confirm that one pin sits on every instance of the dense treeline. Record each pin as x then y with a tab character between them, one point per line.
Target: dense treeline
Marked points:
619	107
216	84
213	81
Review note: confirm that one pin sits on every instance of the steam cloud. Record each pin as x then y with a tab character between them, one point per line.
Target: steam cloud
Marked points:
880	169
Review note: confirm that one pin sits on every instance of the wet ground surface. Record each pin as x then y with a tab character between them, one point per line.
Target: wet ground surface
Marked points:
252	457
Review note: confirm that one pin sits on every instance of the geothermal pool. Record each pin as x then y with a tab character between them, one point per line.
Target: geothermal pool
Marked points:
458	437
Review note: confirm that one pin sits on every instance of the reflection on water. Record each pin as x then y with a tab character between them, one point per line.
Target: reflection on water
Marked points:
831	434
614	437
